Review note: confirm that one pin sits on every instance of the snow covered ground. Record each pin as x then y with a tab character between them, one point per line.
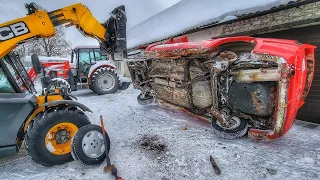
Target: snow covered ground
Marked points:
185	146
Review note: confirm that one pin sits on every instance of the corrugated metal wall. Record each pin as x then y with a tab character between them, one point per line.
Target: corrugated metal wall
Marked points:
310	111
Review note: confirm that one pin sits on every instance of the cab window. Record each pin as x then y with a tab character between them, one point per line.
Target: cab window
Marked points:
84	56
98	55
5	86
13	72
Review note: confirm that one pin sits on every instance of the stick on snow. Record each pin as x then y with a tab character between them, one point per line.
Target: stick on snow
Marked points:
215	166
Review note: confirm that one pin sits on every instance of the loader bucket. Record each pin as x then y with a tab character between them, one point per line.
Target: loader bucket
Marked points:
116	37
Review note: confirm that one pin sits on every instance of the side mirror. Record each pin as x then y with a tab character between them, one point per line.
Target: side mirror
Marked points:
36	63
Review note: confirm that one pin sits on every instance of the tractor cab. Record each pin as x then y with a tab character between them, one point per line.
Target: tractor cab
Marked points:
13	76
17	101
82	58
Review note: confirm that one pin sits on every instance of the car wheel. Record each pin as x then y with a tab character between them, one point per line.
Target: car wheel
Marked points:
237	127
145	99
88	146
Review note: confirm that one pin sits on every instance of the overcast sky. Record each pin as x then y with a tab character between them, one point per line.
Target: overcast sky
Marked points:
137	11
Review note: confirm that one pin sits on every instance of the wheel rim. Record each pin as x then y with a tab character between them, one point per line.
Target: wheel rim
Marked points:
106	82
58	138
92	144
232	123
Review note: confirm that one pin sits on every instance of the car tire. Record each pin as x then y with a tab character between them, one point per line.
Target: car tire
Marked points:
48	137
105	81
238	131
148	99
78	144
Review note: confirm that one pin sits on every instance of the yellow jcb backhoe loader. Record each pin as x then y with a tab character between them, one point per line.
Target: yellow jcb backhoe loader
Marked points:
46	123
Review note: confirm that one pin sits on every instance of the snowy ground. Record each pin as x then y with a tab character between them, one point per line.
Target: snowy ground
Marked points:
186	144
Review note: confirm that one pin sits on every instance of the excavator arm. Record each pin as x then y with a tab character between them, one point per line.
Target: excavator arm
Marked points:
40	24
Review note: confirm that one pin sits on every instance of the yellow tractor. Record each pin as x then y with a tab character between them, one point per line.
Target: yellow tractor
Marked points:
46	122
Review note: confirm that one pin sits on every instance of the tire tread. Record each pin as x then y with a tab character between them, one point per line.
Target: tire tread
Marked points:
97	73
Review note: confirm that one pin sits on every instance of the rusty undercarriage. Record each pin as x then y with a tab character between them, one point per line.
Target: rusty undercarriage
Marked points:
225	81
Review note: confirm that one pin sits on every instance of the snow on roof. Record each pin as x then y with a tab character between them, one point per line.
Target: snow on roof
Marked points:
189	14
47	59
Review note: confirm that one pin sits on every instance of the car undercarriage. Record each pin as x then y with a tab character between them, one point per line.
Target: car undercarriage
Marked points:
227	82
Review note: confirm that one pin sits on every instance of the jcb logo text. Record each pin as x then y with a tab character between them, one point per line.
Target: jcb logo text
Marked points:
13	30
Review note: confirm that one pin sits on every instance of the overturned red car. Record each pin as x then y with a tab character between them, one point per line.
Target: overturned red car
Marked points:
244	85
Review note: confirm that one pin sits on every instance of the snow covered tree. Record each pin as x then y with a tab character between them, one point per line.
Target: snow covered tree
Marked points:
54	46
27	49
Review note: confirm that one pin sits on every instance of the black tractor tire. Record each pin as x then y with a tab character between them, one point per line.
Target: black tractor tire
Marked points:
237	132
110	74
38	129
124	85
59	83
77	151
144	101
